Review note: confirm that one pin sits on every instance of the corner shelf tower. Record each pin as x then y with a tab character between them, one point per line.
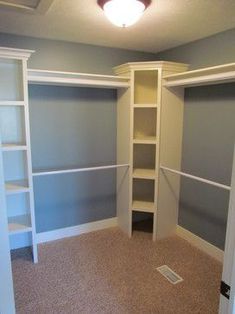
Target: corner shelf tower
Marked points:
15	145
143	128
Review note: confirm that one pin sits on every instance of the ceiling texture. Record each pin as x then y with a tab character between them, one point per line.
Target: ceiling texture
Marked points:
165	24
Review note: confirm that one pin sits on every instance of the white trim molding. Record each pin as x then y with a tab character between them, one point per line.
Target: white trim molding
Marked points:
76	230
13	53
201	244
24	240
58	78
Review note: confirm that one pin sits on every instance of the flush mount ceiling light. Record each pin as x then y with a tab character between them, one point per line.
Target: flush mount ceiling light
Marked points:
123	13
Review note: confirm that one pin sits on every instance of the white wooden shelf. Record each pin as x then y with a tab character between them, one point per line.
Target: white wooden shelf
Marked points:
144	173
19	224
145	140
212	75
15	53
143	206
12	103
45	77
13	147
145	106
16	187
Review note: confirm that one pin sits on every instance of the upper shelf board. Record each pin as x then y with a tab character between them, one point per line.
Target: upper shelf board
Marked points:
207	76
13	53
45	77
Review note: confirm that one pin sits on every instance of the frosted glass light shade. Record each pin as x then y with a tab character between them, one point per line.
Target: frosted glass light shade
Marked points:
123	13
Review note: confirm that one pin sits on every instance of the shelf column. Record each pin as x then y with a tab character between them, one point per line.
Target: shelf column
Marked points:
147	131
16	150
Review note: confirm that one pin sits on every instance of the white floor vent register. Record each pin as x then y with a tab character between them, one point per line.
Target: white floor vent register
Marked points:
169	274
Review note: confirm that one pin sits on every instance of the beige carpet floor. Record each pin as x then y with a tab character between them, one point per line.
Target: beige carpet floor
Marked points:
105	272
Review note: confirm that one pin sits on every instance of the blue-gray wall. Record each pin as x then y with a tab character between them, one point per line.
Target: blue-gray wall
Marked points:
67	56
213	50
209	136
70	128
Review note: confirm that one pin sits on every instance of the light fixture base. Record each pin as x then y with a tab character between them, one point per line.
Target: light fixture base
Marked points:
123	13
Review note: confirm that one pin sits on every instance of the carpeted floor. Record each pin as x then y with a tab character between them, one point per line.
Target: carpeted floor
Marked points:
105	272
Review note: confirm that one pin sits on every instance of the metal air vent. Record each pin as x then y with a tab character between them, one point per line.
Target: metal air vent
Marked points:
169	274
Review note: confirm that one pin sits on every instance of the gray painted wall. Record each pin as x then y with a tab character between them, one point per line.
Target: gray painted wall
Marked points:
73	127
66	56
209	136
213	50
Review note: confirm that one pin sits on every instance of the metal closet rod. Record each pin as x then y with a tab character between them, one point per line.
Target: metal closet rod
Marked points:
52	172
187	175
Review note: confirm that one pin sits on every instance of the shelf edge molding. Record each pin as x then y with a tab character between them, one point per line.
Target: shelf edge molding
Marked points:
224	73
58	78
63	171
14	53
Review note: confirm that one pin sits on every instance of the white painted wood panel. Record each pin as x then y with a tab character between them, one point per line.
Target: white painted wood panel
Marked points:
212	75
7	303
45	77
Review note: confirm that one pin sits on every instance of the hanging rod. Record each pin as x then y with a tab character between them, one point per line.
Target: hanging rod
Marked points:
219	185
52	172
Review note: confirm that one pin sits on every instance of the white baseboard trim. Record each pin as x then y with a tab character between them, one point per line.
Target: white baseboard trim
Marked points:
201	244
76	230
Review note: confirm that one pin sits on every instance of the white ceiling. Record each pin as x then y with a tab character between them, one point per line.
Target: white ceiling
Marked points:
165	24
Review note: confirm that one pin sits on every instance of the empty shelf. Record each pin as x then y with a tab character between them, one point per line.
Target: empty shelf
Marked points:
15	187
13	147
144	173
142	206
145	140
12	103
145	105
19	224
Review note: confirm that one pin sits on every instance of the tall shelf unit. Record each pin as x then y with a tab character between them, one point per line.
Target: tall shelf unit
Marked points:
15	144
144	107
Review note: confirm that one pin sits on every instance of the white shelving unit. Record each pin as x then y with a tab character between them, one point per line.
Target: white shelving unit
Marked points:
143	115
15	133
15	147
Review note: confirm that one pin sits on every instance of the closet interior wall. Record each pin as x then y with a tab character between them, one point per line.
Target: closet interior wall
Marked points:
79	131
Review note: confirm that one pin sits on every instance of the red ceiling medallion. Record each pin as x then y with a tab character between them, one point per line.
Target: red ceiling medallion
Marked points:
101	3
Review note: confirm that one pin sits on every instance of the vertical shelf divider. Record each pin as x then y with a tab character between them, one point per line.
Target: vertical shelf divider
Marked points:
29	162
18	181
